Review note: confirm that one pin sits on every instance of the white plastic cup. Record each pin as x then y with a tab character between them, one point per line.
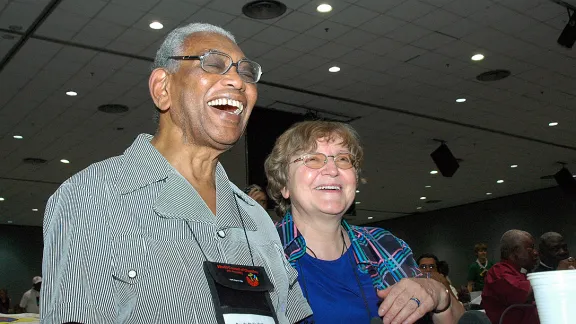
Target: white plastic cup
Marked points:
555	293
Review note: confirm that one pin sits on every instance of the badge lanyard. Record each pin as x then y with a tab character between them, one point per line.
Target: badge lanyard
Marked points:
240	293
243	228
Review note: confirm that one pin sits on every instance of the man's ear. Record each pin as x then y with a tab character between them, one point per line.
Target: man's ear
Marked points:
159	85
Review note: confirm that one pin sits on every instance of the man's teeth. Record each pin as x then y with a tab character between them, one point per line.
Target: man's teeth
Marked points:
228	102
328	188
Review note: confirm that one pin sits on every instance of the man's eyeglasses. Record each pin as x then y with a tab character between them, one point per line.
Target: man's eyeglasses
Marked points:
220	63
343	161
429	266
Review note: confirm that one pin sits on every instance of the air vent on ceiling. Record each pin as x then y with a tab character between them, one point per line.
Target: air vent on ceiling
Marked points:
493	75
433	201
264	9
35	161
113	108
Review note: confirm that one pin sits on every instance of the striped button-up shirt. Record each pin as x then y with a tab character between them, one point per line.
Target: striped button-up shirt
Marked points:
386	258
125	239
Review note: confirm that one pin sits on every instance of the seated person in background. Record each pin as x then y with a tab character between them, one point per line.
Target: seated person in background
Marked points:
30	302
345	271
444	269
256	192
477	270
554	253
506	283
428	264
4	302
463	294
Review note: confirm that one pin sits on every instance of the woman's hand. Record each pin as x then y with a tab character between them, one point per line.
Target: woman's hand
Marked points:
411	298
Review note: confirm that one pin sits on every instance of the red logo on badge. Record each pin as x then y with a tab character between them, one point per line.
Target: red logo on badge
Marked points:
252	280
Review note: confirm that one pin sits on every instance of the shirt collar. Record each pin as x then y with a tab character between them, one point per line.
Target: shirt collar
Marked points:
546	266
483	266
142	165
294	244
513	265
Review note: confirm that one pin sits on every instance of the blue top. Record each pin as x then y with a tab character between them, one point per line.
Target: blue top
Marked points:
383	256
325	294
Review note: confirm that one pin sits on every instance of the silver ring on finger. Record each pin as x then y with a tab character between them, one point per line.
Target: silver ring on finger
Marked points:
416	300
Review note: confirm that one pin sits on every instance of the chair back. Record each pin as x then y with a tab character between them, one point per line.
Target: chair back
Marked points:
513	307
474	317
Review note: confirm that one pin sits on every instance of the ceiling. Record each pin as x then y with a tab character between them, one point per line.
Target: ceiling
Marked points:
403	64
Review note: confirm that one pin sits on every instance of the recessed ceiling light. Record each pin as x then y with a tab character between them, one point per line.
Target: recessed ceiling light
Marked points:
500	181
1	199
18	136
34	209
461	100
553	124
156	25
370	217
324	8
334	69
358	203
514	166
71	93
433	172
422	198
65	161
418	207
357	191
477	57
488	193
427	186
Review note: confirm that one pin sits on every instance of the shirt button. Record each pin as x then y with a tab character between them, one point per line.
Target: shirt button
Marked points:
132	274
221	234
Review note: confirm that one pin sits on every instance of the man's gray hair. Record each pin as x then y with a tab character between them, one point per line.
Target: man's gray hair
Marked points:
511	241
173	44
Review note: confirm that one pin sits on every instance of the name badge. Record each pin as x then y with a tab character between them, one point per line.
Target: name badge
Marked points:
241	293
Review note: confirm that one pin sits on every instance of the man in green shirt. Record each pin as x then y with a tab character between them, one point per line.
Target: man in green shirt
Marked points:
478	270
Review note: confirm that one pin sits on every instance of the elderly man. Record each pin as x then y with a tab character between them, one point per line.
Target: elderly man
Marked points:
506	283
554	253
159	234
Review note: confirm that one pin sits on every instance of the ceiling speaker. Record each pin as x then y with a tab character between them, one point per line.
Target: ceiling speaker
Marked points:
568	35
566	181
445	161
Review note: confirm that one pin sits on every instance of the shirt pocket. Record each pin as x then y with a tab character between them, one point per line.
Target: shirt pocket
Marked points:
129	267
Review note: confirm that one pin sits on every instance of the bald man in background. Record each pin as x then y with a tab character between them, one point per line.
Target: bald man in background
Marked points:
506	283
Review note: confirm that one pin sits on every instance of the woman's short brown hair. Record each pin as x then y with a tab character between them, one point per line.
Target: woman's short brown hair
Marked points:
299	139
480	247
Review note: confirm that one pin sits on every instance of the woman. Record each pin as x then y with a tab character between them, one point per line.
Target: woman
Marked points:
344	271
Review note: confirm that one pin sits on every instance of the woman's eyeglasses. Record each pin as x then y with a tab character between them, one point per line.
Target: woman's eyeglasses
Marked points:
343	161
